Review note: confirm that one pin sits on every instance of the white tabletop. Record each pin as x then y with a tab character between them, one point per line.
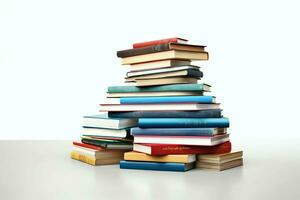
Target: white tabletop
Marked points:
43	170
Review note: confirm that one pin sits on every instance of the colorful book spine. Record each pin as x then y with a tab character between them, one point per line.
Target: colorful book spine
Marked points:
176	131
169	149
163	88
216	113
183	123
179	167
176	99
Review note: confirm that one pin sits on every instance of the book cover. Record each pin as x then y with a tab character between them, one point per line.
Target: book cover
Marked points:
170	149
161	41
183	122
164	88
136	156
180	167
177	131
216	113
89	146
175	99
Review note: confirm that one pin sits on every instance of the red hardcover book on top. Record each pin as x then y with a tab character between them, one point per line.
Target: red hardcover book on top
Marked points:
89	146
156	42
165	149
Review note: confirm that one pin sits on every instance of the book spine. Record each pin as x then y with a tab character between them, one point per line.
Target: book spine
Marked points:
173	131
179	99
195	73
133	156
152	166
155	42
216	113
164	88
183	123
144	50
187	149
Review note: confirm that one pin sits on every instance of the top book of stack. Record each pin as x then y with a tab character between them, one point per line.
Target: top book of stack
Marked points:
162	50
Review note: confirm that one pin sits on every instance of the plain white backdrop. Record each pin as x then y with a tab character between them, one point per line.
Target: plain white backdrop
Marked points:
58	57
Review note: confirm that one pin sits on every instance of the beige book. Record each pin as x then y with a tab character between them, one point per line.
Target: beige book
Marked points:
93	161
219	167
174	54
165	81
160	75
220	158
159	64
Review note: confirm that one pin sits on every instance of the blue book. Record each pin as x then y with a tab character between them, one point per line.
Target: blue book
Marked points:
216	113
183	122
177	131
179	167
175	99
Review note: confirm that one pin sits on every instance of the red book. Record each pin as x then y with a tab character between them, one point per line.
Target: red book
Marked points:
166	149
89	146
156	42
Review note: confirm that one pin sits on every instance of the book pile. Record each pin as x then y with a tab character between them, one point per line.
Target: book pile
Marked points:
177	123
104	140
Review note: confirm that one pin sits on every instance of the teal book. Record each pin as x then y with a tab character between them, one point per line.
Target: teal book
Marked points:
164	88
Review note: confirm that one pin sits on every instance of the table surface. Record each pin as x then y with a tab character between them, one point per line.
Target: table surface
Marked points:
43	170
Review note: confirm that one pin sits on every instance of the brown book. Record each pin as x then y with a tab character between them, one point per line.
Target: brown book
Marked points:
220	158
160	48
93	161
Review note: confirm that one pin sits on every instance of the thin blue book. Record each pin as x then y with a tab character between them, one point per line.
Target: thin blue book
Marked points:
183	123
177	131
179	167
215	113
154	100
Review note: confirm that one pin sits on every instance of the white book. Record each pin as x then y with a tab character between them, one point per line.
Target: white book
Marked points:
182	140
158	107
102	121
105	132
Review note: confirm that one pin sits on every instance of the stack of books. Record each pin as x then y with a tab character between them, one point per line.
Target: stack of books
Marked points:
104	140
177	123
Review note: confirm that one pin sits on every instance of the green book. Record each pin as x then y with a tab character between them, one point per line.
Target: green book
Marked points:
163	88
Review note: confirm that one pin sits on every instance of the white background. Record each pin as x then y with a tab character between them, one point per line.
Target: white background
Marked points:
57	58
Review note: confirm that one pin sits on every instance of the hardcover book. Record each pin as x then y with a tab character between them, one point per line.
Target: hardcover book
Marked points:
136	156
180	167
161	41
216	113
93	161
159	64
169	149
183	122
152	94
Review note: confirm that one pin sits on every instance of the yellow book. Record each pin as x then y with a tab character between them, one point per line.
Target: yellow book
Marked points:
93	161
185	158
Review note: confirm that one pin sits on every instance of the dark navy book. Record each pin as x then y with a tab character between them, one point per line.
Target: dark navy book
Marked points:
215	113
183	123
177	131
179	167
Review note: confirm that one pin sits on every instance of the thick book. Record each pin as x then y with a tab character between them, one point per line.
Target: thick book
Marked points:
158	166
219	167
173	54
136	156
182	73
159	48
200	87
178	131
220	158
93	161
170	149
152	94
161	41
122	133
103	121
158	100
182	140
164	81
183	122
159	64
216	113
160	71
158	107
